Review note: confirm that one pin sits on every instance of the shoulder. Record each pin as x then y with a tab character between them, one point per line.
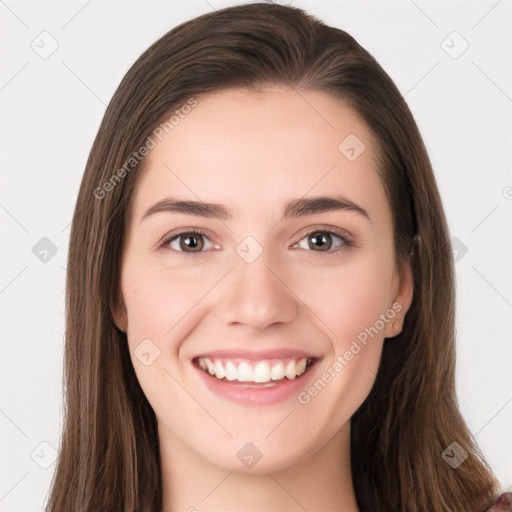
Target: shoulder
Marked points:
503	503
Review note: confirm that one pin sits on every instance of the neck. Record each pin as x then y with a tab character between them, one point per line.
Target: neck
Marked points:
320	481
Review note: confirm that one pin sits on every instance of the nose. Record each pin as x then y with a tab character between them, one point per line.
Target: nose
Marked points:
258	295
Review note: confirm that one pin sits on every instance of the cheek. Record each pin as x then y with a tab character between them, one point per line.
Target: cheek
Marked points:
353	304
157	301
161	307
348	298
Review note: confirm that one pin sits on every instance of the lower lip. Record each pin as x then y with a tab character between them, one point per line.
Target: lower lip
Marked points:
238	392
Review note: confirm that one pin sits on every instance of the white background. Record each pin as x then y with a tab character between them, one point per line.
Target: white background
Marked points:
51	109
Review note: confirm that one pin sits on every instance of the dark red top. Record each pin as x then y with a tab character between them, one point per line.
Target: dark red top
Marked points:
503	503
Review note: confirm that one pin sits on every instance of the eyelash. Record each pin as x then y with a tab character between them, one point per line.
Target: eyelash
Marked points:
345	241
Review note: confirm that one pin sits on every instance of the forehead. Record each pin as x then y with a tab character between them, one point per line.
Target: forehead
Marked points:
242	147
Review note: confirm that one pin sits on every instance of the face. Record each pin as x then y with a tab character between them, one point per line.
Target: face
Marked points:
286	298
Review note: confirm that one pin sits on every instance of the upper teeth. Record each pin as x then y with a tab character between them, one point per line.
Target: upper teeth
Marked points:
254	371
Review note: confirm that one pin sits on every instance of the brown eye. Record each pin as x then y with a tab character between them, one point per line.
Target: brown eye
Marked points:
320	240
325	241
193	241
187	243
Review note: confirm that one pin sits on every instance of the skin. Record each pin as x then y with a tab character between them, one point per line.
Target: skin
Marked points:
252	152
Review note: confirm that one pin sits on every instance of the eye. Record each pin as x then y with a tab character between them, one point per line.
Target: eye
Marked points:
187	243
322	239
194	242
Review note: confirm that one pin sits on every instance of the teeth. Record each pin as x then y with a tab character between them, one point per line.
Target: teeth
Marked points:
290	370
209	365
277	372
230	371
262	372
244	373
300	366
219	370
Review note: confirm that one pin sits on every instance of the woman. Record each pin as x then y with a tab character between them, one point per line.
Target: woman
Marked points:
215	358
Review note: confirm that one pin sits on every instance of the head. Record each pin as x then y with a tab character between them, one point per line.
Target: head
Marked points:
265	98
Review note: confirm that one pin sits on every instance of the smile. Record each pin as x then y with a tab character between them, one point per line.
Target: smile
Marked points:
269	371
256	379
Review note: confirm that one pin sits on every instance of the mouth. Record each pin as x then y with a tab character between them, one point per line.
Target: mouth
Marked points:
265	380
262	373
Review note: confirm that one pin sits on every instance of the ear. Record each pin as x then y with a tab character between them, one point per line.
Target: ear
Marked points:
401	302
119	314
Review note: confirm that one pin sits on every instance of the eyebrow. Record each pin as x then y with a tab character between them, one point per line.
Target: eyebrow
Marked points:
293	208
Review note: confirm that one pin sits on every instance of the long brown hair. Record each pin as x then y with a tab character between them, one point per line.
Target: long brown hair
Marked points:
109	454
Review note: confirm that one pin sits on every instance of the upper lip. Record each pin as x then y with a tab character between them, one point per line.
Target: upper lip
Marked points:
274	353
